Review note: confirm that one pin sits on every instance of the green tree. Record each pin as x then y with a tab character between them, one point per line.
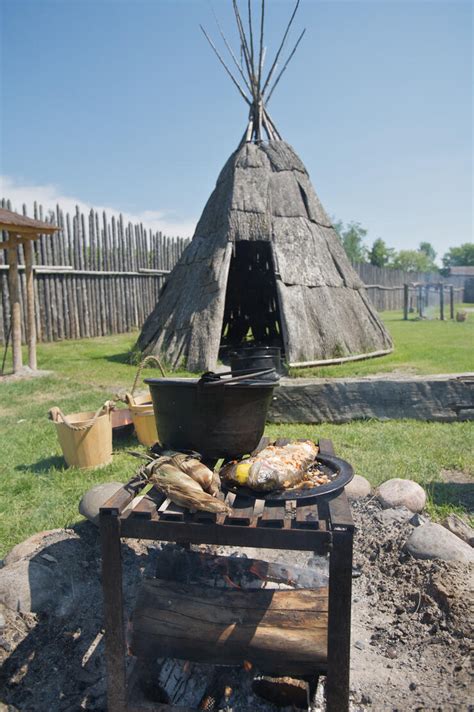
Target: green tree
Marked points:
352	237
428	249
414	261
462	256
380	255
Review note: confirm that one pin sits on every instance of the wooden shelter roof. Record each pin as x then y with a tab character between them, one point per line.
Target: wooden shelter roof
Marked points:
21	225
264	194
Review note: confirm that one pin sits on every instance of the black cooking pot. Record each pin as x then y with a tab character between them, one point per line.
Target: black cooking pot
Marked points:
255	350
257	358
214	415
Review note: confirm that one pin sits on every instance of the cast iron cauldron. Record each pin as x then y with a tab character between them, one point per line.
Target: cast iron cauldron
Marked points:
216	416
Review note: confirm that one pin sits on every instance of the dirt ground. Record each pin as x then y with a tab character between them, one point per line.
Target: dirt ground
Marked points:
410	633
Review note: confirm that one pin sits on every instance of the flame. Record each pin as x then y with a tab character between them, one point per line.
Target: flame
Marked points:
259	569
229	581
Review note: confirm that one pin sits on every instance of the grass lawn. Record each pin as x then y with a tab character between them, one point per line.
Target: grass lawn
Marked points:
421	347
38	492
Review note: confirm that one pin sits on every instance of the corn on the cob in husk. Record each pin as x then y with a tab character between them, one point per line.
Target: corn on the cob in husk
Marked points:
215	486
181	488
274	467
194	468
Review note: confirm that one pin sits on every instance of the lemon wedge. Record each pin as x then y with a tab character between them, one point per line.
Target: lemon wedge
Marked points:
242	472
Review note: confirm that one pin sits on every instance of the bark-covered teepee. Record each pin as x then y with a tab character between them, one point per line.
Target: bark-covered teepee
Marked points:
265	262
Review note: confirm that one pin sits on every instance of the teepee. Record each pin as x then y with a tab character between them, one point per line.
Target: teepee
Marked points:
265	262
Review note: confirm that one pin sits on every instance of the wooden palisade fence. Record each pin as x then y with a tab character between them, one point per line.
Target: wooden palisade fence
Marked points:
385	286
100	276
96	276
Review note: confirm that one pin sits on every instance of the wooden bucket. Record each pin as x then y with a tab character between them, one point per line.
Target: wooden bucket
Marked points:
85	438
141	408
143	417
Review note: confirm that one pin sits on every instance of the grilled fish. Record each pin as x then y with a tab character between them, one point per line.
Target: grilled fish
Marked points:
274	468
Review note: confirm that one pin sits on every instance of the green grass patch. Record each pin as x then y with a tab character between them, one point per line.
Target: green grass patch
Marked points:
111	362
421	347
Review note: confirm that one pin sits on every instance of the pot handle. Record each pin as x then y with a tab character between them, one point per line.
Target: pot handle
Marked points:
214	379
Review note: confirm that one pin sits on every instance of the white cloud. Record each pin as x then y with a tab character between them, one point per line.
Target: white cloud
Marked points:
49	196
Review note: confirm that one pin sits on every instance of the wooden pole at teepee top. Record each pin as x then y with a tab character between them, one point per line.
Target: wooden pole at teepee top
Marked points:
251	64
282	44
241	91
15	312
232	54
30	305
285	65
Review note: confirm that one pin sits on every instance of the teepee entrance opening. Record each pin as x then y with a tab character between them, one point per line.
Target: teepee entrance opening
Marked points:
251	311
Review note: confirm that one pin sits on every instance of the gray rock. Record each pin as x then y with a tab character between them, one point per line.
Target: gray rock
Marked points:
460	528
432	541
418	519
402	493
358	488
395	515
28	587
94	498
31	545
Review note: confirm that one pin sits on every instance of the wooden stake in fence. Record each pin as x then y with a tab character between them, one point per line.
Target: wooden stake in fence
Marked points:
451	301
441	302
30	305
21	231
405	302
15	310
420	300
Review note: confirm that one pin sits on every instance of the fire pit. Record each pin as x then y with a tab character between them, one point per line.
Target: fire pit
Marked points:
323	526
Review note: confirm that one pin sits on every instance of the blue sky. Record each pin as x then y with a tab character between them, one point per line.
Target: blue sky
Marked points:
121	103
